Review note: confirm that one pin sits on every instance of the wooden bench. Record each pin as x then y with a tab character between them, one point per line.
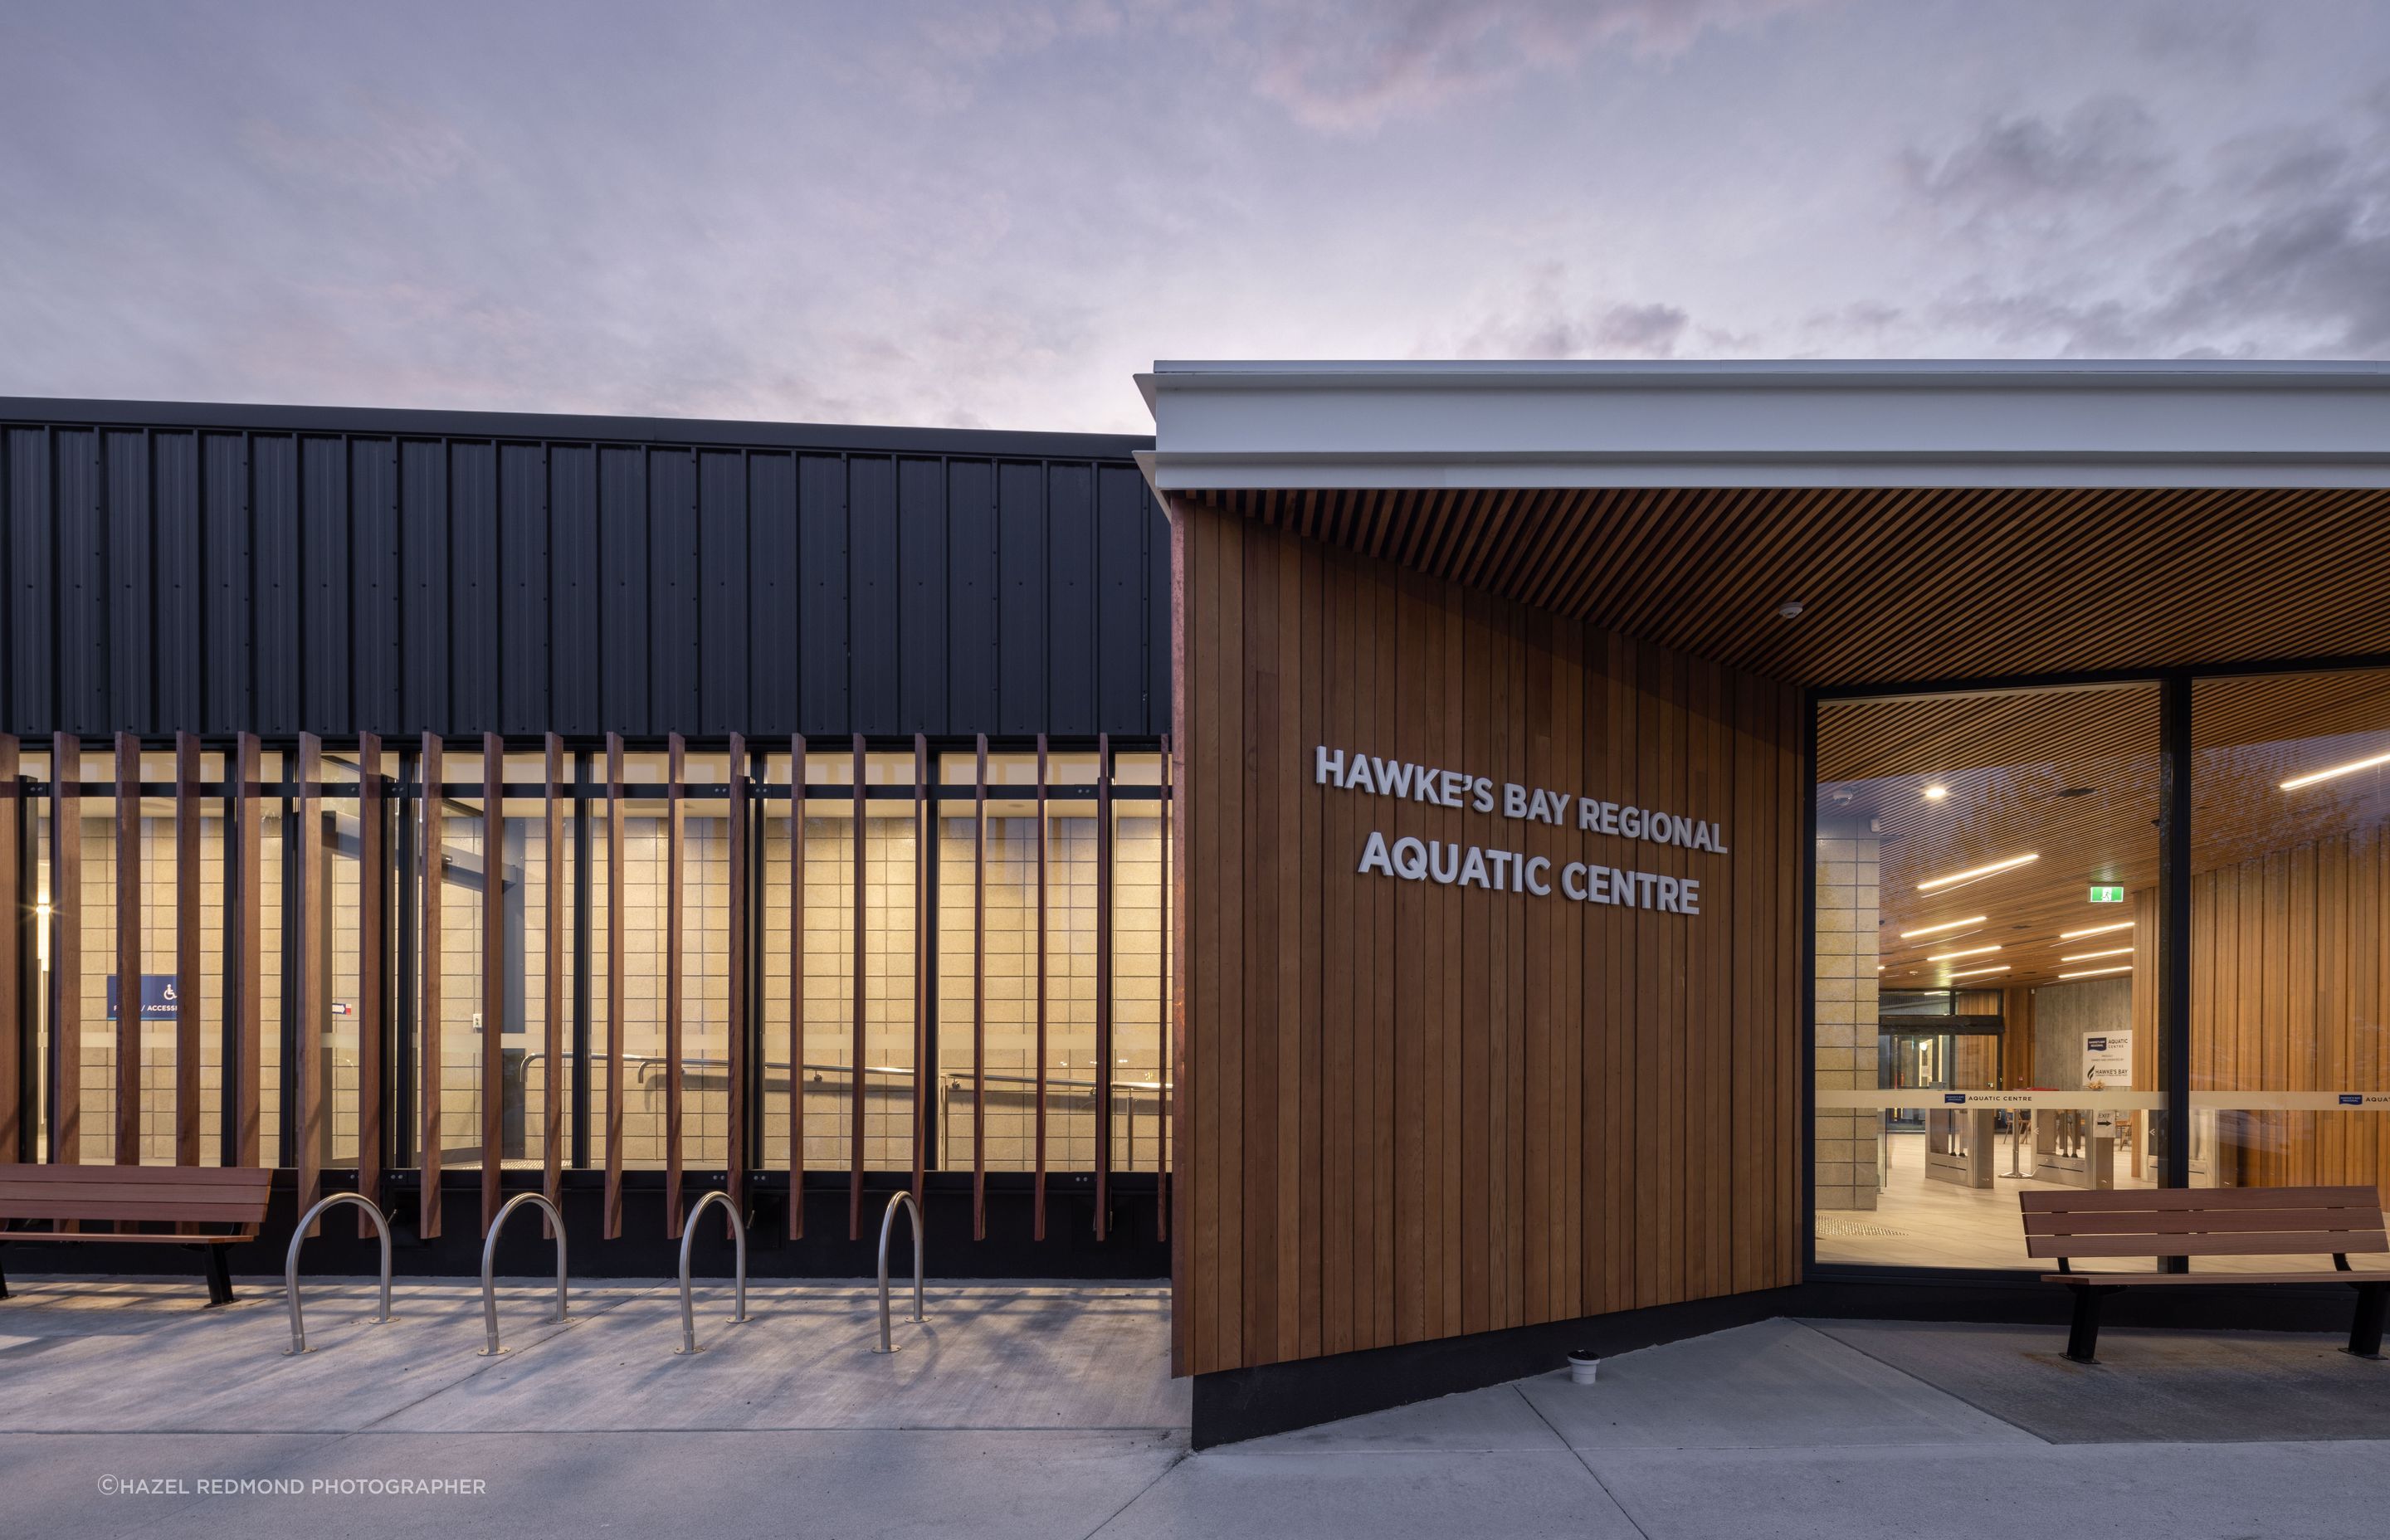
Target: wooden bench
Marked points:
2208	1222
124	1199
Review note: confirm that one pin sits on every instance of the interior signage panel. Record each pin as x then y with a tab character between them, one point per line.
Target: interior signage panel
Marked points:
157	997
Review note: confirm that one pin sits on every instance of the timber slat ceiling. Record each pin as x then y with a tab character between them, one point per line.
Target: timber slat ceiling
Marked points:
2072	775
1898	582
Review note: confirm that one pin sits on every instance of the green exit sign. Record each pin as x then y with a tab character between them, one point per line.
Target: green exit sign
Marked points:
2107	892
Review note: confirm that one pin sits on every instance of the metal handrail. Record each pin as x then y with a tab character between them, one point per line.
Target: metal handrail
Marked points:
489	1262
887	1228
290	1266
688	1234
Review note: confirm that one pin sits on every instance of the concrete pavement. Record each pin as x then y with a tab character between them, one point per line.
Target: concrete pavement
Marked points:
1036	1410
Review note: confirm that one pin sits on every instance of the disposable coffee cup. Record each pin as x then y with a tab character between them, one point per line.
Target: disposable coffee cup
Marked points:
1583	1364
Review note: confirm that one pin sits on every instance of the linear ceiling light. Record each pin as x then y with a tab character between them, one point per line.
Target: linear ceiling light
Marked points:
1974	872
1970	952
2095	972
2087	957
2351	768
1937	930
2094	931
1971	973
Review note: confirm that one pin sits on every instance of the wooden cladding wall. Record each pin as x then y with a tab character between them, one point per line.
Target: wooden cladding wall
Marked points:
1412	1111
2290	976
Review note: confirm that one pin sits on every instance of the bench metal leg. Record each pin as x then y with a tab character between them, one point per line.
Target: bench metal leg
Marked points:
2365	1332
2083	1338
219	1273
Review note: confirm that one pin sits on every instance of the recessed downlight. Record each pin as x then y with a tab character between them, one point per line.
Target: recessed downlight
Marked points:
1935	793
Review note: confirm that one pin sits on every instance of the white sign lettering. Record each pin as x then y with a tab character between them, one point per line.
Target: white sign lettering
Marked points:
1451	863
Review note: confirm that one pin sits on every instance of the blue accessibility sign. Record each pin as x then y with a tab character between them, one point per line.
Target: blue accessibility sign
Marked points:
157	997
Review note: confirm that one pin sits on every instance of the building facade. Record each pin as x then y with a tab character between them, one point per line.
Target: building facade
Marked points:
868	722
1450	862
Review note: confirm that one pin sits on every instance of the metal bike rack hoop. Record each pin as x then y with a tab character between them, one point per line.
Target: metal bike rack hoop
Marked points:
688	1234
887	1228
290	1266
489	1261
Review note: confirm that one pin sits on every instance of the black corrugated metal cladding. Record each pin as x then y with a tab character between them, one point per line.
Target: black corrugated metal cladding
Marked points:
279	569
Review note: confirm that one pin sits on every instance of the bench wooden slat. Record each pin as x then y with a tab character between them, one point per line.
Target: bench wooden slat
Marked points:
2163	1199
246	1176
2194	1221
2275	1243
120	1239
129	1192
85	1208
2143	1280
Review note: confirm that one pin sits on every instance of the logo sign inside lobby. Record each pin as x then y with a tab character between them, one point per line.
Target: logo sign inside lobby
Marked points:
1412	859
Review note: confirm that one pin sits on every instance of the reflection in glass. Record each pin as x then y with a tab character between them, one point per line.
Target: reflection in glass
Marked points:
1961	841
2290	952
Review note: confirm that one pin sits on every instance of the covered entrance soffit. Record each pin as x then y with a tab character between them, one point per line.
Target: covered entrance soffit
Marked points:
1931	521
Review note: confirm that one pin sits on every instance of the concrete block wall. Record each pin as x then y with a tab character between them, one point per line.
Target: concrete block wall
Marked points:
1845	1004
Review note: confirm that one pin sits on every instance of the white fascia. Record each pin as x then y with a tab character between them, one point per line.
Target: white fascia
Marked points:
1929	424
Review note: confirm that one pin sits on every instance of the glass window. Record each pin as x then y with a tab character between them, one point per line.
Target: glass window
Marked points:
1035	872
1986	875
2290	946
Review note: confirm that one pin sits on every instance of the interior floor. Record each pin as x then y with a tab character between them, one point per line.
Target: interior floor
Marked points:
1920	1223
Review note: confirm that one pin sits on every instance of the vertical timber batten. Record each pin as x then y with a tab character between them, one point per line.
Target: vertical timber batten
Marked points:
979	995
552	1092
614	992
247	1089
66	950
1037	1207
372	846
922	952
796	986
676	771
494	973
735	829
311	1009
1104	889
129	992
1165	993
855	1007
431	878
13	908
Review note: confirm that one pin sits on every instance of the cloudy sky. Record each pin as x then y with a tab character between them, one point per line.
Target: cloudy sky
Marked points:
992	213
